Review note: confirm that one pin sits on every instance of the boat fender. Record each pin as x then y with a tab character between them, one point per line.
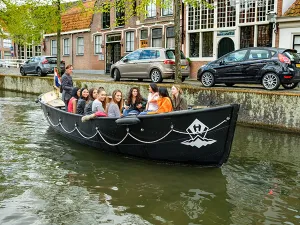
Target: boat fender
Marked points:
128	121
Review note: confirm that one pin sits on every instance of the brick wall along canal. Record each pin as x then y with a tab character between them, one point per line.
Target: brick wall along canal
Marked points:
45	179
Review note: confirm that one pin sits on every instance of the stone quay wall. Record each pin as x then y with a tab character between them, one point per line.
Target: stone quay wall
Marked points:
271	109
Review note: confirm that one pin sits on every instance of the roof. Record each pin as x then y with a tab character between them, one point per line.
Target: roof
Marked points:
78	17
294	9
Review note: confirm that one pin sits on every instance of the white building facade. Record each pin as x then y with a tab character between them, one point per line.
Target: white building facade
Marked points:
229	25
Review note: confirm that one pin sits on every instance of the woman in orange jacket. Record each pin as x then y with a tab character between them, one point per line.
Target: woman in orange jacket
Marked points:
164	102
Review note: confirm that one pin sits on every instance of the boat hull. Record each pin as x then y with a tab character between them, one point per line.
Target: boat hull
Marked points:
201	136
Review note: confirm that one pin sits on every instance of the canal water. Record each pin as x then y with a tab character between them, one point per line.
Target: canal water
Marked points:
45	179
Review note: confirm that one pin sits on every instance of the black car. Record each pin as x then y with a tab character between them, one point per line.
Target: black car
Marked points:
41	65
267	66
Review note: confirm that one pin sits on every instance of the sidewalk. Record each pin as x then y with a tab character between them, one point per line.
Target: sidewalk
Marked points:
195	83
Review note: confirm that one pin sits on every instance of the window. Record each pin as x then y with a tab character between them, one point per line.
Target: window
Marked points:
226	13
80	46
98	41
264	38
6	43
157	37
171	54
66	43
168	8
29	51
296	43
105	20
129	41
38	50
247	11
7	55
170	37
200	17
207	44
150	54
247	37
194	44
236	56
53	48
151	9
113	38
259	54
133	56
144	34
120	14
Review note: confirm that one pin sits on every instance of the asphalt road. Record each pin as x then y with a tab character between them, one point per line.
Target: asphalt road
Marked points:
252	87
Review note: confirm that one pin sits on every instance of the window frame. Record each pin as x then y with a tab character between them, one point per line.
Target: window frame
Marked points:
78	46
151	9
129	44
168	11
68	47
156	38
52	48
97	46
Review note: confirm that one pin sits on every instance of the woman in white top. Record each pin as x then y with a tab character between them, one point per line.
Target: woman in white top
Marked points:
152	99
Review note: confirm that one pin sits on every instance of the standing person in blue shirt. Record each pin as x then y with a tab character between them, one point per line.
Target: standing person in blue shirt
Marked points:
67	85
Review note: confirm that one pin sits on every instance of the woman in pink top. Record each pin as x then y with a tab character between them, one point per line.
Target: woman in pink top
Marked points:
72	105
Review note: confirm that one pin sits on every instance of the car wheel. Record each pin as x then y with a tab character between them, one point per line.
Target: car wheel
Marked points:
155	76
140	79
208	79
116	74
229	84
39	71
22	71
290	86
270	81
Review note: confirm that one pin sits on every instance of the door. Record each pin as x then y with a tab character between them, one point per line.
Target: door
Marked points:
226	45
129	65
113	54
252	67
30	65
230	66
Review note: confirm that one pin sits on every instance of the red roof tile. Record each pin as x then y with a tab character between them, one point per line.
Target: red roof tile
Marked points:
77	17
294	9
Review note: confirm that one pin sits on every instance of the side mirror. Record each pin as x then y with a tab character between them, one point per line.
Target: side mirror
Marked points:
125	60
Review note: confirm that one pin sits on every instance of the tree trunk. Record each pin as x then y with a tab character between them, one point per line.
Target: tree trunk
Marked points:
178	76
58	36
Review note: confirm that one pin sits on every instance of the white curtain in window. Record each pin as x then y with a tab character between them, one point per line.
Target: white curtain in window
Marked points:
53	47
66	46
129	41
156	42
151	9
98	41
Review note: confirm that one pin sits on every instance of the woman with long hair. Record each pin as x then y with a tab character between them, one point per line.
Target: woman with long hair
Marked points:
115	106
72	105
164	102
84	95
179	102
98	107
135	103
92	96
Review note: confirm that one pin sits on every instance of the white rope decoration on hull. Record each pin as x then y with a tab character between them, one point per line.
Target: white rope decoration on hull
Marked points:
127	134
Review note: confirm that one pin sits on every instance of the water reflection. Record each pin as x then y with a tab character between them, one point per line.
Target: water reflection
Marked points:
45	179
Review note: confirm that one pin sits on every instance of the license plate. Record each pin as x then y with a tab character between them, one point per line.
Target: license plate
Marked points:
298	65
184	67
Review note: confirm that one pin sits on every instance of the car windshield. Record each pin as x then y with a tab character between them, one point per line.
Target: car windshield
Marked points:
171	54
292	55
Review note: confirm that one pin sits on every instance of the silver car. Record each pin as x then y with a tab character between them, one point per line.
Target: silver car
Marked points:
153	63
41	65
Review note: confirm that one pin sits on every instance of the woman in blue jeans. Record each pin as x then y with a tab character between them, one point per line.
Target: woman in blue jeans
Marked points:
135	103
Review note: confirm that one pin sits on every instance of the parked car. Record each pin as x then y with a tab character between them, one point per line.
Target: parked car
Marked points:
41	65
267	66
153	63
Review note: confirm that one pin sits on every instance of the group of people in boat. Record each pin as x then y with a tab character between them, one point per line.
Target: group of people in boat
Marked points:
94	102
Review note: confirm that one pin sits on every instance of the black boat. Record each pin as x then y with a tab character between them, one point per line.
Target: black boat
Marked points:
199	136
